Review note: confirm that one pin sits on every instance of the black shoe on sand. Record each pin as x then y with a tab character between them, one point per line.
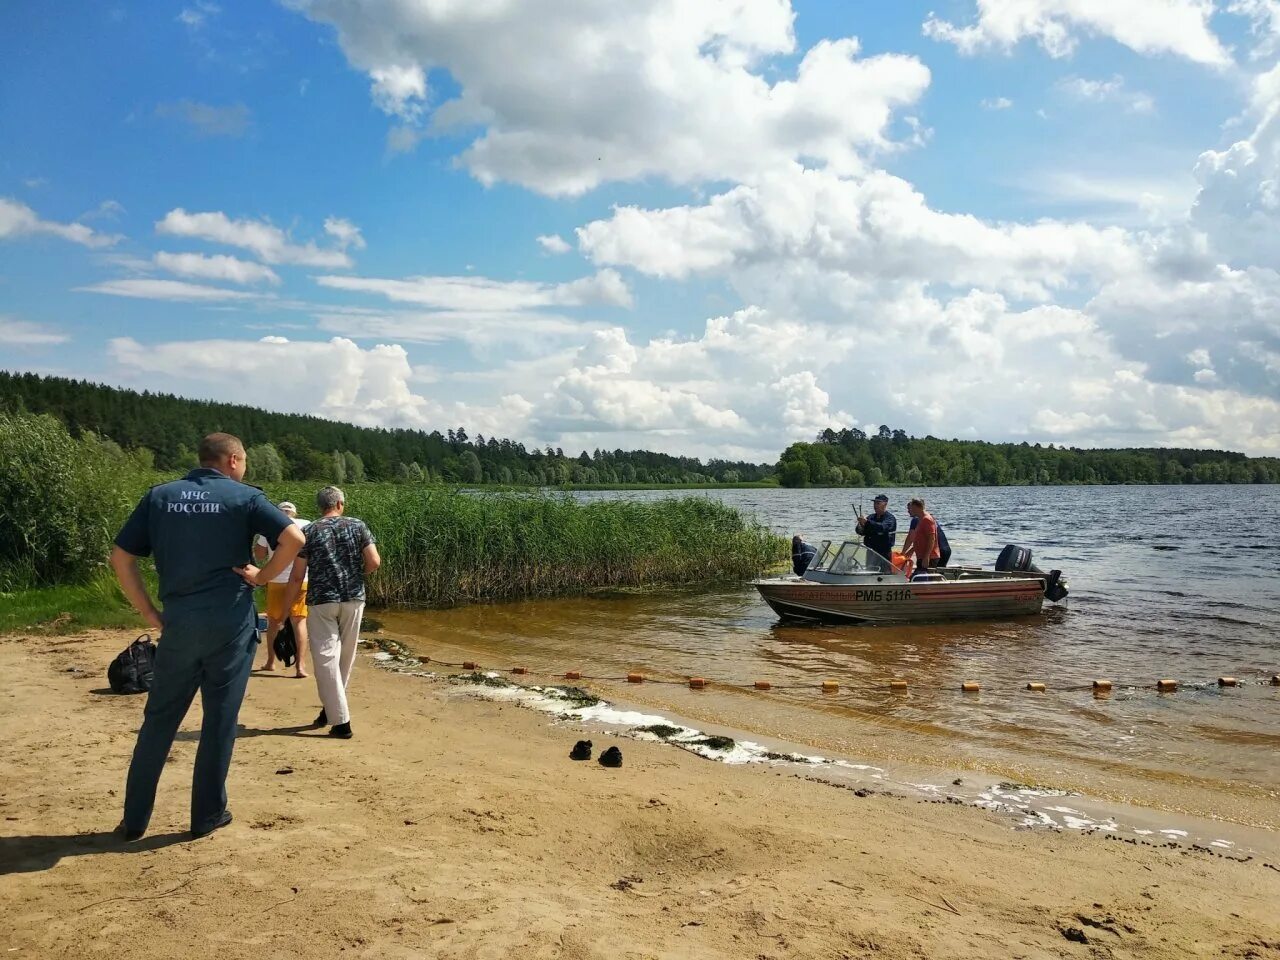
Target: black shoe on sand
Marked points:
611	758
581	750
222	821
341	731
127	835
322	720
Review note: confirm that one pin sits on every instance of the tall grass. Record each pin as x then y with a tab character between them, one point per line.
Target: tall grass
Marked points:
62	499
443	547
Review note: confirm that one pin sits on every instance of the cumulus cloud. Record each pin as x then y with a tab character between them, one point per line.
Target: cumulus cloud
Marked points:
23	333
574	94
335	378
1238	205
268	241
1178	27
206	120
870	231
219	267
18	220
483	294
1107	91
554	243
175	290
996	103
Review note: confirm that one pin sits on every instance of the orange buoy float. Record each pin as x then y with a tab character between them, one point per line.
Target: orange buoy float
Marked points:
1102	686
1036	687
970	686
1228	682
635	678
697	683
573	674
830	686
519	669
898	686
469	665
763	685
1167	686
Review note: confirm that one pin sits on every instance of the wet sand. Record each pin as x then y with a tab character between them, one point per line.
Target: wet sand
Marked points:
455	827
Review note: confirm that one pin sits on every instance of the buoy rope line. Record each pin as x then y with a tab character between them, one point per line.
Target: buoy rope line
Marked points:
1100	687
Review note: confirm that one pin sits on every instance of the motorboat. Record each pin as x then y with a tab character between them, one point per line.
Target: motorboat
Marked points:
850	583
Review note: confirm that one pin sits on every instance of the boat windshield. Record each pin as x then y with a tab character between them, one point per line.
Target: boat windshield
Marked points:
852	556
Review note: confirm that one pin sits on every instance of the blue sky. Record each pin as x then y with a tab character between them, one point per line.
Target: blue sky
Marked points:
978	218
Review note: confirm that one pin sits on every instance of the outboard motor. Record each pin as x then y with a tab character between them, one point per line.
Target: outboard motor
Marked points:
1016	559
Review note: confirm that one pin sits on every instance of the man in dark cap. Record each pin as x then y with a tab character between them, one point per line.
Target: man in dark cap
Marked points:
880	529
199	529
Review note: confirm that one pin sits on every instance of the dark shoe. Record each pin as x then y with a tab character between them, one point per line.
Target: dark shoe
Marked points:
322	720
581	750
222	821
611	758
341	730
127	835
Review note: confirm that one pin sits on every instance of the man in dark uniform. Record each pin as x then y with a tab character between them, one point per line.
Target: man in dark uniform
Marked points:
880	529
802	554
200	530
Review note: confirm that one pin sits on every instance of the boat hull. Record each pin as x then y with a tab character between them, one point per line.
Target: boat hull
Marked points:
919	602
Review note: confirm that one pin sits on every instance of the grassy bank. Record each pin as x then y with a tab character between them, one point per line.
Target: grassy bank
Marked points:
443	547
63	498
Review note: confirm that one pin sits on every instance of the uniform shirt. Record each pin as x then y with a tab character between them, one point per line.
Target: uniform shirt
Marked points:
334	552
879	533
944	548
283	576
802	556
198	528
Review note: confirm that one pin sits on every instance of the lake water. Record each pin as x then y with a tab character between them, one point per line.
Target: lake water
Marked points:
1166	582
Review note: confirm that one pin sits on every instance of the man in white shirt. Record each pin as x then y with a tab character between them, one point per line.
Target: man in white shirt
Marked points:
277	591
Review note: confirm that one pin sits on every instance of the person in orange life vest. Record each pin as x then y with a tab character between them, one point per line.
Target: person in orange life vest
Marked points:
922	540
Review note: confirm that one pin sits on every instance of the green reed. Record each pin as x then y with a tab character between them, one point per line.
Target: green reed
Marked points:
443	547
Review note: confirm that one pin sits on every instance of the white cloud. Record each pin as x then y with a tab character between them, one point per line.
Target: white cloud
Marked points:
1264	17
23	333
197	15
176	290
1107	91
1238	205
996	103
335	379
266	240
482	294
219	267
345	232
554	243
17	220
865	232
571	95
1179	27
532	331
106	210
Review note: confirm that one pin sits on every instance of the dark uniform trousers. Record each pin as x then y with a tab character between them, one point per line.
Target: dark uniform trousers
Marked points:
209	651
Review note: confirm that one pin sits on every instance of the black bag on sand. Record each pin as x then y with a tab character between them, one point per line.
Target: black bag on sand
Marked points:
285	645
131	670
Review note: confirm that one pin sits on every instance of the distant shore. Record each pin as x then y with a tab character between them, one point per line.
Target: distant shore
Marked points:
454	827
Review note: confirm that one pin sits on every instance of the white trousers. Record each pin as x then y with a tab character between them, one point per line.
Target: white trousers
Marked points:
334	632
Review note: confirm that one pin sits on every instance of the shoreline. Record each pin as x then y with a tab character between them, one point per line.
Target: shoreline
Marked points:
457	827
1026	806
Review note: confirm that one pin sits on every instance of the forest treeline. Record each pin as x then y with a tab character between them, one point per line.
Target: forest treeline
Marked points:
853	458
285	446
161	431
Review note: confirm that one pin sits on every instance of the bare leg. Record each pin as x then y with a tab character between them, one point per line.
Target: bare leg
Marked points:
300	637
272	629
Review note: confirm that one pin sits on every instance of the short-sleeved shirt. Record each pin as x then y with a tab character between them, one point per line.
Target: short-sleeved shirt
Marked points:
261	541
926	532
944	548
334	552
198	528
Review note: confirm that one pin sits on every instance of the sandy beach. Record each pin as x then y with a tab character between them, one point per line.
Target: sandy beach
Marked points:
455	827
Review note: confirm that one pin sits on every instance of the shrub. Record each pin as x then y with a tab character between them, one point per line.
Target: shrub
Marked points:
61	501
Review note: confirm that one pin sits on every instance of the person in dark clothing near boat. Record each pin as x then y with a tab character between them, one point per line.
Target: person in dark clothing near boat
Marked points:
944	548
880	529
802	555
